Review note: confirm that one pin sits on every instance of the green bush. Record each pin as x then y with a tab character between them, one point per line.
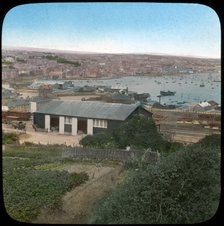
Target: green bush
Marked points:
9	138
210	141
76	179
100	140
183	188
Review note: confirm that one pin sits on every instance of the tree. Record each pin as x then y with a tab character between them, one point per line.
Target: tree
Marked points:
137	132
140	132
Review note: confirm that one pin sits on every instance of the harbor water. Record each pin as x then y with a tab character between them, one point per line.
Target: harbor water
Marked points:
189	88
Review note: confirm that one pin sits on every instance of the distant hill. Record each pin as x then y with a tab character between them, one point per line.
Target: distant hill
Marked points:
33	49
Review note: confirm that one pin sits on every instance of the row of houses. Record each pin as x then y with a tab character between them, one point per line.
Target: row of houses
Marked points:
206	106
203	106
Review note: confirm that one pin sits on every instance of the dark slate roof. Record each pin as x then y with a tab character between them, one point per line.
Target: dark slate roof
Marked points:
18	102
39	99
118	96
88	109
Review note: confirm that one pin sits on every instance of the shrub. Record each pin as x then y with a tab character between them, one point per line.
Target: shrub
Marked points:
9	138
138	132
100	140
183	188
75	179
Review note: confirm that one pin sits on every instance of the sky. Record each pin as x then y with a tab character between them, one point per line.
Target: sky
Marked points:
160	28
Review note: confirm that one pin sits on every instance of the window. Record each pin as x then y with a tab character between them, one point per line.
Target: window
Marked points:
68	120
100	123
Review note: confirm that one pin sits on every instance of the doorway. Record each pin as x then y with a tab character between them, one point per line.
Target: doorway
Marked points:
54	123
82	126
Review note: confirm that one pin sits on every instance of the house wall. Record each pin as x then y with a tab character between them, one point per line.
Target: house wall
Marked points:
114	124
33	107
111	125
39	119
90	126
61	124
47	125
74	126
21	108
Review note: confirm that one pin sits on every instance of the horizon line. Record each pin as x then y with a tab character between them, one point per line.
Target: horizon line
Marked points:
112	53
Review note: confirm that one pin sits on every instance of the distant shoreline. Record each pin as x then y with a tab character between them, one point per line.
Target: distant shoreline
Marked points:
126	76
36	49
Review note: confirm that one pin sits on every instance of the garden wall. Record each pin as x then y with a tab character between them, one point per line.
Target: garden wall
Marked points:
114	154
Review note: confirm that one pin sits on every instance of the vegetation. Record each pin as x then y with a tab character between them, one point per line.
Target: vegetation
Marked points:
33	178
138	132
183	188
62	60
9	138
100	140
7	63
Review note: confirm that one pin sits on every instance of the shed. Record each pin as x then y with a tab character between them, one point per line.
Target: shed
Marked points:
86	117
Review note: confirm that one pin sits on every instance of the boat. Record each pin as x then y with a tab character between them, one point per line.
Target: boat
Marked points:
182	102
167	93
202	85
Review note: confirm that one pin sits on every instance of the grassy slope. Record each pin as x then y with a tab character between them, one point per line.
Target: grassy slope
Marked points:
32	180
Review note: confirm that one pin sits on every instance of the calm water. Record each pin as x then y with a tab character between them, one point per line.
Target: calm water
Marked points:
187	87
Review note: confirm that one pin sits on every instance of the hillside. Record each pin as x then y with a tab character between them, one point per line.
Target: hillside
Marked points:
40	63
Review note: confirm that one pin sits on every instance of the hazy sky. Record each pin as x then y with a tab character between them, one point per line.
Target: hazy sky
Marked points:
177	29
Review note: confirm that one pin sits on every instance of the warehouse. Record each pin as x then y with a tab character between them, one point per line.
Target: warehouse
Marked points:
87	117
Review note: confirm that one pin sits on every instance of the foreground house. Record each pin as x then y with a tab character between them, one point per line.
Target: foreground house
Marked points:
86	117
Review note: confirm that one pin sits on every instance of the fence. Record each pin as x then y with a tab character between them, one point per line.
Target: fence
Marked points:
146	156
17	116
114	154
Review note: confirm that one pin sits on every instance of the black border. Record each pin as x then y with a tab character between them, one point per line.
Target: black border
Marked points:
216	5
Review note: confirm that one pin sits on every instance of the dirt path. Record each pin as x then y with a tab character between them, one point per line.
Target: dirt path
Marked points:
50	138
42	137
77	205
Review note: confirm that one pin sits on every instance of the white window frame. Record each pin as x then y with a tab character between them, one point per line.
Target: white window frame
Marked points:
68	120
100	123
